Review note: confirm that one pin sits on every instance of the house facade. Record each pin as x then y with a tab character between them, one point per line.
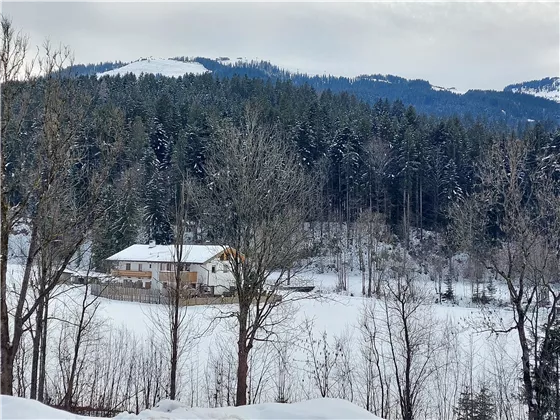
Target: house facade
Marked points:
205	267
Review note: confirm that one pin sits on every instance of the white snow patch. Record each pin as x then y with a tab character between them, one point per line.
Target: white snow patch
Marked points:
451	89
22	408
322	408
164	67
550	91
553	95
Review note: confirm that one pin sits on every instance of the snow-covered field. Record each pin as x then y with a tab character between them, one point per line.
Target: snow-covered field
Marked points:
164	67
329	326
328	316
328	408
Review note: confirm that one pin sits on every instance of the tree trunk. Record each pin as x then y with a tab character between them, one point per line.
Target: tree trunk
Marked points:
43	352
7	366
370	271
7	369
526	363
242	356
175	338
36	350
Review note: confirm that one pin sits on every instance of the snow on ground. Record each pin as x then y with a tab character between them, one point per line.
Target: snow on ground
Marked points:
13	408
326	408
339	315
164	67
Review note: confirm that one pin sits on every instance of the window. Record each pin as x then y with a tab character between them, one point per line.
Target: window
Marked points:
150	265
225	267
127	266
139	267
213	269
168	266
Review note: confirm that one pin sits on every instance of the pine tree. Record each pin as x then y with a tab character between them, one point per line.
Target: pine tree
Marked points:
484	405
161	144
465	409
156	218
475	407
449	294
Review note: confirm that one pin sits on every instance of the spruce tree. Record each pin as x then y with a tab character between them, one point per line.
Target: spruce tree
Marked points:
484	405
449	294
465	409
156	206
479	406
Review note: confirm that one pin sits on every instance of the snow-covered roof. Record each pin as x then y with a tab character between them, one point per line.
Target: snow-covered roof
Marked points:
166	253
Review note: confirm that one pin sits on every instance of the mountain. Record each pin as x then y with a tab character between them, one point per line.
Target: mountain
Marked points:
516	104
548	88
502	107
164	67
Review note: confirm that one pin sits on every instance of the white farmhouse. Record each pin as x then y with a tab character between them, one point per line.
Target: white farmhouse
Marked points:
205	267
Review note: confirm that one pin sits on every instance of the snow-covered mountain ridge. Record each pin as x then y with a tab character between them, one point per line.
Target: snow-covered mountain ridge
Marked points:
161	66
548	88
515	104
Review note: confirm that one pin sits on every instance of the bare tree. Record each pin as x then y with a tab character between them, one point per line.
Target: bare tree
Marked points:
376	375
511	223
411	336
79	333
373	252
321	359
13	55
176	293
255	203
173	323
59	190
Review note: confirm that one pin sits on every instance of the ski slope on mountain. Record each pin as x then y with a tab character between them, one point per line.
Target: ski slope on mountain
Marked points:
325	408
164	67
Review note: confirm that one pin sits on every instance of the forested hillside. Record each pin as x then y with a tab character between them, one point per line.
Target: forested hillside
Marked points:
386	157
503	108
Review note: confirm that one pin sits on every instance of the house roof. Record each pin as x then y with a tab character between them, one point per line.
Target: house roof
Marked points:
166	253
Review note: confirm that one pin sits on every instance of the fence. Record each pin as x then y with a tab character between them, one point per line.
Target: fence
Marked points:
135	294
89	411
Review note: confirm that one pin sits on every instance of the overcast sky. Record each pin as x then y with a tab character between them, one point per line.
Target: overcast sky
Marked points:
462	45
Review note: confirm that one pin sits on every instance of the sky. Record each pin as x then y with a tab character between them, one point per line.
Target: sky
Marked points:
468	45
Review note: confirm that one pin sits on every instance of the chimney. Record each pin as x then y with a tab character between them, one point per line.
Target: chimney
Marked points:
152	244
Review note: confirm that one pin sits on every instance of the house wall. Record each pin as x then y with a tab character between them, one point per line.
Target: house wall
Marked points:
143	271
221	279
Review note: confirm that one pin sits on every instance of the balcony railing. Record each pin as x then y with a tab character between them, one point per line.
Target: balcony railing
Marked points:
130	273
186	276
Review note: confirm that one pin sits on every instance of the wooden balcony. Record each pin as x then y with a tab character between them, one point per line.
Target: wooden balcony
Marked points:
186	276
130	273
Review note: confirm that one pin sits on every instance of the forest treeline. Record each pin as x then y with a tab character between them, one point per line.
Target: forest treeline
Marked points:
501	108
384	157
